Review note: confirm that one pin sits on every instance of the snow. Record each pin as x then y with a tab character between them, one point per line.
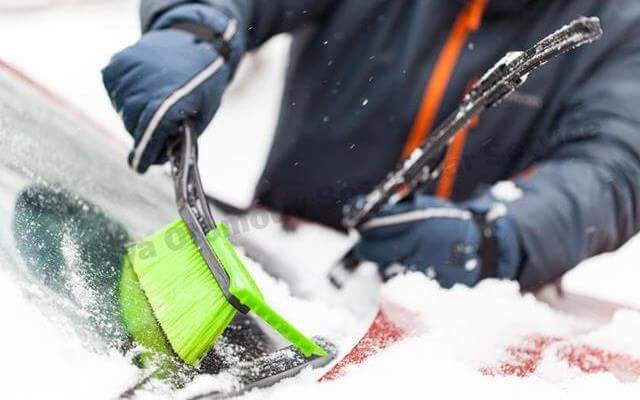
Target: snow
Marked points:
44	358
458	332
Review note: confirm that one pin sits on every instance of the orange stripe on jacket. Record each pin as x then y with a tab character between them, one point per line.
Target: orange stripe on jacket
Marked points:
468	20
451	163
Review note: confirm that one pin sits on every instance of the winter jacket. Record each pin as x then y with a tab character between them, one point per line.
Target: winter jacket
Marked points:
357	74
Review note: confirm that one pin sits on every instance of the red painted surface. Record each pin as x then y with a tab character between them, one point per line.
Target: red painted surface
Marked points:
48	93
382	333
523	359
591	360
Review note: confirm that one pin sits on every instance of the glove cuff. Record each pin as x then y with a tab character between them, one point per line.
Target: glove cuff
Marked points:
500	248
208	24
511	255
488	251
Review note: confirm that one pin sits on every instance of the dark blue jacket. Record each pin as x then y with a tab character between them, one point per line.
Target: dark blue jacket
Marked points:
357	74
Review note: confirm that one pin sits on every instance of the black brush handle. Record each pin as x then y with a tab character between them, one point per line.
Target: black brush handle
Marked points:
186	174
193	206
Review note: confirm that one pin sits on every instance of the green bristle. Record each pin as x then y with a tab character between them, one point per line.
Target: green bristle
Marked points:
136	312
185	298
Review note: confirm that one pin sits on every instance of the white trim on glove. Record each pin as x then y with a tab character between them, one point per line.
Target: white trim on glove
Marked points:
417	215
230	31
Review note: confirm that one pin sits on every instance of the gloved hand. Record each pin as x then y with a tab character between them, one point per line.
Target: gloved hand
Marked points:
178	70
452	243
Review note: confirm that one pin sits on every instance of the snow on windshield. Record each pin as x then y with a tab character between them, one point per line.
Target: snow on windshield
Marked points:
64	187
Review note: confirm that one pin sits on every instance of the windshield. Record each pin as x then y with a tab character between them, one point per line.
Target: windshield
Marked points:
69	204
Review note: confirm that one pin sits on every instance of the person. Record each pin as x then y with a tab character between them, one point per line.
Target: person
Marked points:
534	187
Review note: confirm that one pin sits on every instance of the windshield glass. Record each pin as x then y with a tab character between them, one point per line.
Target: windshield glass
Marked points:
69	204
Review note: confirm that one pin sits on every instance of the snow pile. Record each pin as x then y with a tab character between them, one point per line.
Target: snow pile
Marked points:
612	276
45	359
474	326
460	334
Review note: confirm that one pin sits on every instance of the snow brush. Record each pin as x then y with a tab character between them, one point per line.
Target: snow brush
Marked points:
182	286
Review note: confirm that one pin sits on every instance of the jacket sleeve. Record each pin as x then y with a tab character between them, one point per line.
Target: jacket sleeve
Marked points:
261	19
584	197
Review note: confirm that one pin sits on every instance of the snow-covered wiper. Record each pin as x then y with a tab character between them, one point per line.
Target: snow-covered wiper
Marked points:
425	163
504	78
